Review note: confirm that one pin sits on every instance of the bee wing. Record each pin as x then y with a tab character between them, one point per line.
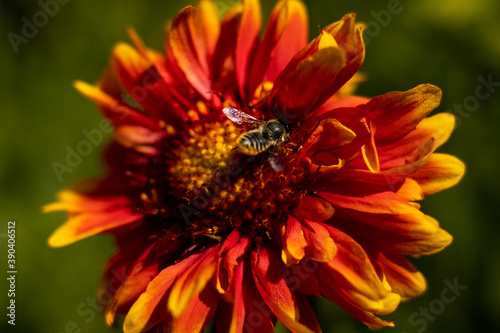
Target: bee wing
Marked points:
276	161
239	117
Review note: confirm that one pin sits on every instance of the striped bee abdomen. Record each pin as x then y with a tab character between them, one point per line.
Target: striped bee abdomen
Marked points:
253	143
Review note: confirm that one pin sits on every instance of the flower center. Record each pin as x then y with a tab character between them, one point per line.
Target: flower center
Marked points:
221	189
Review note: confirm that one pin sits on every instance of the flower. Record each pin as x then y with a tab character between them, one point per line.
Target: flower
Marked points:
206	231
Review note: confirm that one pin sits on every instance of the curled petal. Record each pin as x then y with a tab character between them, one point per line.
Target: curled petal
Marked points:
328	134
294	242
321	246
314	209
410	190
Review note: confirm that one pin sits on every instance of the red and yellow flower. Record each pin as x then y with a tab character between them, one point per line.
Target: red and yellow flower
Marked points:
204	232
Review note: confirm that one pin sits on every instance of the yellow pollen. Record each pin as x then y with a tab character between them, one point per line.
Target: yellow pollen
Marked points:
203	154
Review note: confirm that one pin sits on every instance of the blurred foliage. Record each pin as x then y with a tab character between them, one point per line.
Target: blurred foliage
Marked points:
449	43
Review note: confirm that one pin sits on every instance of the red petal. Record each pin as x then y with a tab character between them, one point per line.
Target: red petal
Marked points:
436	128
354	277
378	203
396	114
230	255
300	89
188	45
292	40
150	308
248	34
197	314
285	35
268	275
133	283
192	281
307	314
314	209
320	69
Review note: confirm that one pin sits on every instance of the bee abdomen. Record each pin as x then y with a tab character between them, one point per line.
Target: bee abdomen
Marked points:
253	143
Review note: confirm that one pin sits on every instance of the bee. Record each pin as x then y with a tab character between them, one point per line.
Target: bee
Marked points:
269	134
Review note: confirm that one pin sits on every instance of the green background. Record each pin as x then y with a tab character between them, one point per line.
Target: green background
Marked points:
449	43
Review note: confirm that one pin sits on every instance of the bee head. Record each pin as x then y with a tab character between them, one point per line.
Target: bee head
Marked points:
274	130
283	121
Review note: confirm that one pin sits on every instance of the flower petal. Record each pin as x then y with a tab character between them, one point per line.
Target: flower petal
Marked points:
369	152
294	242
396	114
292	40
436	128
368	318
197	314
117	112
247	42
268	276
440	172
230	255
285	35
307	315
355	277
410	190
211	24
378	203
300	89
403	277
139	138
320	246
84	223
150	307
142	79
238	315
191	282
188	45
314	209
134	282
329	134
340	50
248	305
